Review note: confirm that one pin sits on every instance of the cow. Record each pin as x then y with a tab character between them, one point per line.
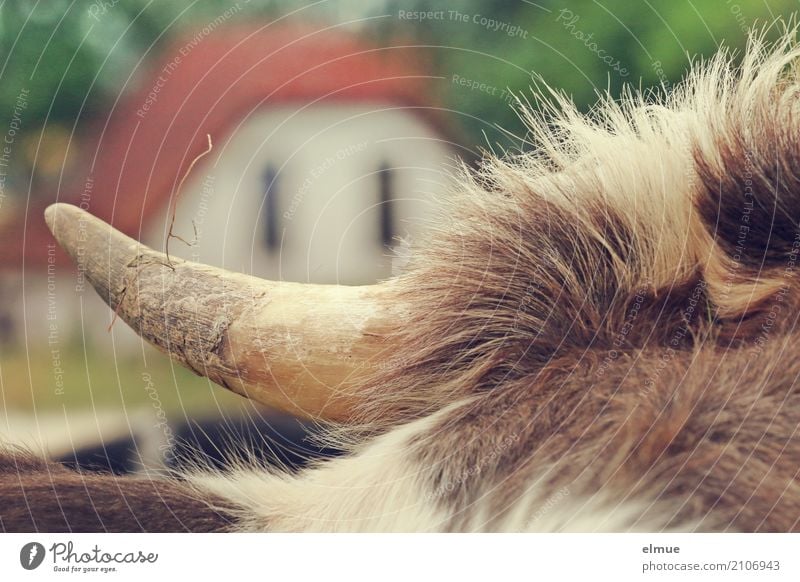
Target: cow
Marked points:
596	336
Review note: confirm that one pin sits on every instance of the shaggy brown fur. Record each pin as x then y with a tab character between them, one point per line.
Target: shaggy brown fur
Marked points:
46	497
620	324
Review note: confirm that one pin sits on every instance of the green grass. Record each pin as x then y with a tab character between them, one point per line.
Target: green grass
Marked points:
95	379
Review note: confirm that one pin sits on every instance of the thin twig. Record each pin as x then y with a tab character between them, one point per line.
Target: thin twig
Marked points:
170	234
174	201
116	311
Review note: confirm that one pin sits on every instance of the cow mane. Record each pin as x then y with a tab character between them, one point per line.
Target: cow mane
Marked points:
608	312
653	201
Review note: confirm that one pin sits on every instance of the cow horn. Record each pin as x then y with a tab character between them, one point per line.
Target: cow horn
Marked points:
300	348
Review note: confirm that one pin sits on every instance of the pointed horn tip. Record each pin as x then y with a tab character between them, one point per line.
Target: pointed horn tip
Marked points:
61	213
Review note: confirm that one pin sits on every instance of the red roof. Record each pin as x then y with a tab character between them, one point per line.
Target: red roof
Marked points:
205	83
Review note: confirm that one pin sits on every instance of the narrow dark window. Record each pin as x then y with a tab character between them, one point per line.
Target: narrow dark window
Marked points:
270	210
386	207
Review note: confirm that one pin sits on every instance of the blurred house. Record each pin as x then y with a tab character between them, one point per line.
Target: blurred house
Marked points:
326	151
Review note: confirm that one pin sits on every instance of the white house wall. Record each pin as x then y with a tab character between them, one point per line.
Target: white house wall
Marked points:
327	159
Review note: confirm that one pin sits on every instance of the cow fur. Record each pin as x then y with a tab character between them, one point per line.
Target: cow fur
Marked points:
599	337
38	496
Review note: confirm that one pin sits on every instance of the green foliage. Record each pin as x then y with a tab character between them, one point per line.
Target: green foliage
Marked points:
72	57
580	47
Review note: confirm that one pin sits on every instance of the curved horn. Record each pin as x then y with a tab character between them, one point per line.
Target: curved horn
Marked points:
300	348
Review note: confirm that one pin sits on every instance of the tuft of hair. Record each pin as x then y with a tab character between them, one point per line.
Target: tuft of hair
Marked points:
685	206
605	284
45	497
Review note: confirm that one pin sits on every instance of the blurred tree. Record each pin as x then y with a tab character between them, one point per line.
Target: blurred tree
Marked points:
580	47
72	55
61	61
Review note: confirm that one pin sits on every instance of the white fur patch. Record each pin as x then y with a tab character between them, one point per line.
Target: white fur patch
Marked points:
378	489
